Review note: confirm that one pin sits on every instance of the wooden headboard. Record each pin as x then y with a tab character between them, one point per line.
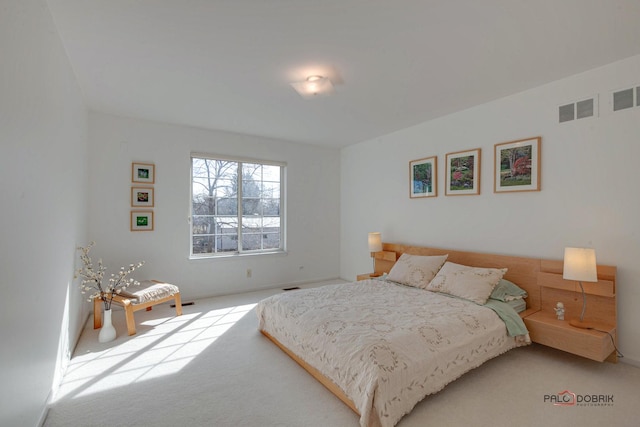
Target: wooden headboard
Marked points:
541	278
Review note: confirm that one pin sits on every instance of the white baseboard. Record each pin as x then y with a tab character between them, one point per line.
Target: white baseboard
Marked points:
306	282
55	386
628	361
45	411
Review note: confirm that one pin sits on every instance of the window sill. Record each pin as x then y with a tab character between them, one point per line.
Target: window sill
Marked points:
236	255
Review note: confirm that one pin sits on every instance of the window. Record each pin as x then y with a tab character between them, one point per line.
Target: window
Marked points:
236	206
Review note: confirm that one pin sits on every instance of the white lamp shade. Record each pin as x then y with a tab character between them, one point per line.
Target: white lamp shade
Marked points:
580	264
375	242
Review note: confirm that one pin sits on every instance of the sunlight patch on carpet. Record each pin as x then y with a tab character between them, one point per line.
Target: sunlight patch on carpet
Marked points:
165	348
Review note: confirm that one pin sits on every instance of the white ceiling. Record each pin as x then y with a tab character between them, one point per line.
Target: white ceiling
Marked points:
227	64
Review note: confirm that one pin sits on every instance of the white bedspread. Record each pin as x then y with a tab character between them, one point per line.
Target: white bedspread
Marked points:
386	346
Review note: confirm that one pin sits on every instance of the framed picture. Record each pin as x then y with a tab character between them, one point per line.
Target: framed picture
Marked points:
143	172
423	177
517	166
141	220
142	197
463	173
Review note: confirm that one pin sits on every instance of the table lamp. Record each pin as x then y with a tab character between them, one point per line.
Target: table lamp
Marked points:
580	265
375	245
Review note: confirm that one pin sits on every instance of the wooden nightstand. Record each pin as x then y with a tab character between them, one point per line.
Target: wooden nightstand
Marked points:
366	276
544	327
382	262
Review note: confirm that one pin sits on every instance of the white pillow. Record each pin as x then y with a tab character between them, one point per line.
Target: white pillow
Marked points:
471	283
416	270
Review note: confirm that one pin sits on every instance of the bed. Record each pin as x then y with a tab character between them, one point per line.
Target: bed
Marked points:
382	345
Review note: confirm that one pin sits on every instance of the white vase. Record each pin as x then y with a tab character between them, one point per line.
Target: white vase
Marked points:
107	332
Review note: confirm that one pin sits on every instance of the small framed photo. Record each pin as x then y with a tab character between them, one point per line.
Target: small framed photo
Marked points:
423	177
141	220
517	166
142	197
463	173
143	172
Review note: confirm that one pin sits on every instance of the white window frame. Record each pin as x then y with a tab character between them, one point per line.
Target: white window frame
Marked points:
239	215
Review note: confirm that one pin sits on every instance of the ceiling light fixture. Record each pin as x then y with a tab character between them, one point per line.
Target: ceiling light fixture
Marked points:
313	86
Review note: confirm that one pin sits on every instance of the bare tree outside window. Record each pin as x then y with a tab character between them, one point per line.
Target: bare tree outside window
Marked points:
236	207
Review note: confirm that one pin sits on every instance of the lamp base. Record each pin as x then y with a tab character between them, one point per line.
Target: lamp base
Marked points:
582	325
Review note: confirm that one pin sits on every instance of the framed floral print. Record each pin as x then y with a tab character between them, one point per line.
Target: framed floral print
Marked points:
141	220
423	177
517	166
142	197
463	173
143	173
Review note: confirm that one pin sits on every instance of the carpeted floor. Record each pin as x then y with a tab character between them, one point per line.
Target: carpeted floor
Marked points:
211	367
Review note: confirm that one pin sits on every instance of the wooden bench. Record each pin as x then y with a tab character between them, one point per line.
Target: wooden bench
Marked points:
140	298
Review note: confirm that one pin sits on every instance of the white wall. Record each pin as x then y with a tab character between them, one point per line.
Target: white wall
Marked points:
589	191
313	179
43	132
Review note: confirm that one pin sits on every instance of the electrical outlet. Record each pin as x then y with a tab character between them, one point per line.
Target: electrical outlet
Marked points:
248	273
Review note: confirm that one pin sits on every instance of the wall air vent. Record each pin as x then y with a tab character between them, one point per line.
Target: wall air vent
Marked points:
626	98
567	112
578	110
622	99
584	108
